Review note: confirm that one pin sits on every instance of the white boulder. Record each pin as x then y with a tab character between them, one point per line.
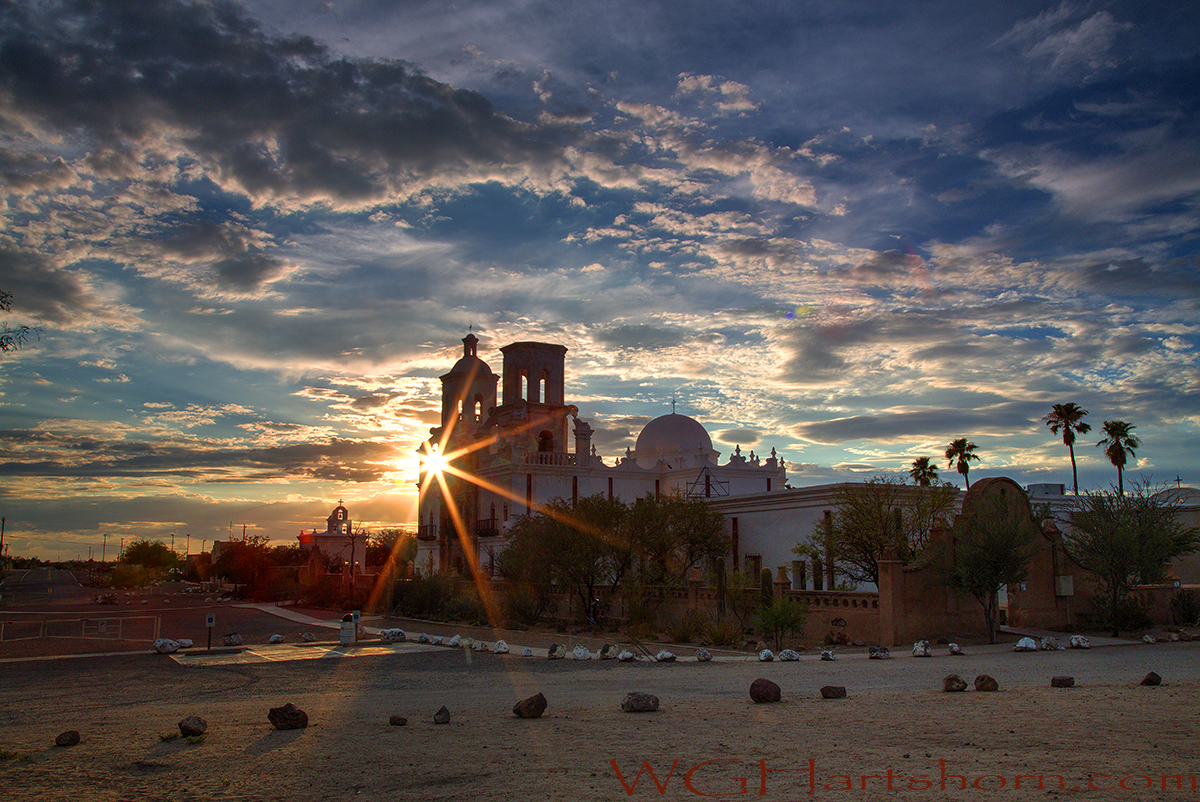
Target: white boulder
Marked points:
500	647
922	649
766	656
165	646
789	655
1025	645
580	652
1080	642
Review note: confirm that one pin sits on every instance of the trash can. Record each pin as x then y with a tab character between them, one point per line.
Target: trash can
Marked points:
348	634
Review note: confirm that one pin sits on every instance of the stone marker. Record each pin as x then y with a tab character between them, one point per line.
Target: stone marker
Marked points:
763	690
455	642
986	684
397	721
442	716
879	653
956	650
580	652
192	726
640	703
1062	682
954	683
626	656
826	654
665	657
922	649
533	707
557	652
1025	645
789	655
233	639
703	655
68	738
500	647
833	692
165	646
766	656
1151	679
276	638
1080	642
288	717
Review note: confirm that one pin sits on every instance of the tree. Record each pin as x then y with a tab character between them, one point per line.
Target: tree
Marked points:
243	562
1069	419
397	545
1119	443
150	554
777	620
579	546
923	472
993	551
672	534
963	451
870	516
11	339
1127	540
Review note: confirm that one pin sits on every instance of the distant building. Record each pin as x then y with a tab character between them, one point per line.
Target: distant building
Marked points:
339	538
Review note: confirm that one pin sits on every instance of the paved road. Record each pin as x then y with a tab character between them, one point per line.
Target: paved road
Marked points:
48	585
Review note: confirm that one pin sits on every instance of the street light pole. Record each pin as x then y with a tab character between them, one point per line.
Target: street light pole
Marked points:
104	548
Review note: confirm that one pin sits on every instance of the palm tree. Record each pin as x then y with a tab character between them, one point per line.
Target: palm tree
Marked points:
1119	443
963	451
923	472
1069	418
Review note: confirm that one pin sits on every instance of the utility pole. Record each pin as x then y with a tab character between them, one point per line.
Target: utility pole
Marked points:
187	544
104	548
2	520
172	542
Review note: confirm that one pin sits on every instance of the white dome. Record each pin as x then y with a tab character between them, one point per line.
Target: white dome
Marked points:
672	434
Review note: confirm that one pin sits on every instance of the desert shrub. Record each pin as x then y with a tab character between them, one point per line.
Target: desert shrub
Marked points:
722	632
126	575
423	596
779	619
1185	608
527	603
1131	615
687	628
466	608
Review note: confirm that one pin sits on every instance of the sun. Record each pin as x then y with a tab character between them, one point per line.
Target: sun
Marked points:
433	462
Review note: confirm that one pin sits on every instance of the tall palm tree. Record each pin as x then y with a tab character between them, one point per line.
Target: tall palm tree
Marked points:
923	472
963	451
1119	443
1068	418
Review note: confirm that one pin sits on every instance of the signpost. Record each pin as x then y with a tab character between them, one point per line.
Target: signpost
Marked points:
210	621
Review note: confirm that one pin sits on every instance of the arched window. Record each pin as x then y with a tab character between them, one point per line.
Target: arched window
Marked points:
545	442
477	408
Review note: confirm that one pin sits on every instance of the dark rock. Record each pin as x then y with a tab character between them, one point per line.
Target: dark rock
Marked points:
288	717
397	721
1151	679
879	653
833	692
640	703
442	716
192	726
763	690
1062	682
953	684
557	652
986	684
533	707
68	738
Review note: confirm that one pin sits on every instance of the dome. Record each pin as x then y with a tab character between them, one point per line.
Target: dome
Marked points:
670	434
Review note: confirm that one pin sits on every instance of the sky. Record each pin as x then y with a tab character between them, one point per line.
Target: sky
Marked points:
252	235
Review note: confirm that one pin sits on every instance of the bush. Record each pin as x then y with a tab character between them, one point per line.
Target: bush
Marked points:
1185	608
1131	614
722	632
125	575
686	629
466	608
526	603
780	619
423	596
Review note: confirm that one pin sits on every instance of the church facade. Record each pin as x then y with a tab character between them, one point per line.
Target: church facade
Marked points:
509	452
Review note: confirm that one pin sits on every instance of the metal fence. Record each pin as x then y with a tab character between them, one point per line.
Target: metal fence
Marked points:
114	628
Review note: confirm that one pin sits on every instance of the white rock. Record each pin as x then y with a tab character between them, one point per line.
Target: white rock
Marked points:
1080	642
828	654
275	639
766	656
557	652
467	643
436	640
607	652
307	637
789	655
956	649
1049	644
922	649
1025	645
392	635
233	639
500	647
526	651
626	656
580	652
665	657
1149	639
423	638
166	646
703	655
479	646
455	641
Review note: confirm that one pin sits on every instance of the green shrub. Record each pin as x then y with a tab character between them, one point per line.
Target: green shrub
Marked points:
466	608
722	632
779	619
527	603
423	596
1131	615
126	575
688	628
1185	608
